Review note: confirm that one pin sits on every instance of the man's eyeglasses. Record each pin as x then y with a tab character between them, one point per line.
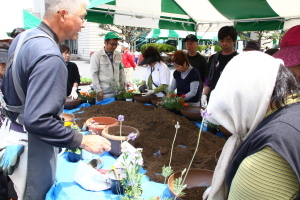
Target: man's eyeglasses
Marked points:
113	44
84	21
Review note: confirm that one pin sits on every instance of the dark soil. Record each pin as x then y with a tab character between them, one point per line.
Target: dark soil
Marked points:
157	130
193	193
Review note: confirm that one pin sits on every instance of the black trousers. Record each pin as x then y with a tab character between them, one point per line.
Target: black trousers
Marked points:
3	187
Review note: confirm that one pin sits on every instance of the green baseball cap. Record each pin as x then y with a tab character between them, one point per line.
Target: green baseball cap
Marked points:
112	35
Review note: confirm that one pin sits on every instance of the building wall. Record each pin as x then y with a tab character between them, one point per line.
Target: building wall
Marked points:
89	40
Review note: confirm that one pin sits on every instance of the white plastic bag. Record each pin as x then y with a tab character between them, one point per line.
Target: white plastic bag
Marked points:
90	179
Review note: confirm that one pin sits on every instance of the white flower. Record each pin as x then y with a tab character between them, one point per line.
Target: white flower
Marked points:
177	126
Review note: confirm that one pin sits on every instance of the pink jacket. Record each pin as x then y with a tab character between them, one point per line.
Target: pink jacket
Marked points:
128	59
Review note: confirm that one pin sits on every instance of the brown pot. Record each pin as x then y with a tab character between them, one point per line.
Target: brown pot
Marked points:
103	122
112	133
71	103
143	99
156	100
192	112
225	131
194	178
67	117
217	154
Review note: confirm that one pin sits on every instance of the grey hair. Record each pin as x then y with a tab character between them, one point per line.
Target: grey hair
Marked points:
52	6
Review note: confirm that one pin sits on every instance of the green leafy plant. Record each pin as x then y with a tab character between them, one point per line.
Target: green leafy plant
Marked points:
128	169
201	47
128	94
119	91
174	102
85	80
211	125
167	171
178	184
73	126
160	47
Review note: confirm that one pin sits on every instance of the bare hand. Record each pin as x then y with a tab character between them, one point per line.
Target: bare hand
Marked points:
100	96
95	144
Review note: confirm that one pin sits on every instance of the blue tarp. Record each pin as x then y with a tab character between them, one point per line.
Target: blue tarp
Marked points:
65	188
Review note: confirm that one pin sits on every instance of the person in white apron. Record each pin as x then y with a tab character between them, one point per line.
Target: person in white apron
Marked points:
157	76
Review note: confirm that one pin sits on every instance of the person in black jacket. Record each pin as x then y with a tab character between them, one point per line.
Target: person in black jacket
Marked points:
227	36
195	59
73	73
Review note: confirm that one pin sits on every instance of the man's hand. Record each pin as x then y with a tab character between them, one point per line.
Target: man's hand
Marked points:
203	101
9	159
95	144
148	93
74	94
100	96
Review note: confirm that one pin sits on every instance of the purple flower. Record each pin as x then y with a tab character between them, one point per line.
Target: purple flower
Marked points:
121	118
132	136
204	114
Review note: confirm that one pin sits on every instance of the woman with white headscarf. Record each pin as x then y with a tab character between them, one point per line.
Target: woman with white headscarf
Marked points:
257	100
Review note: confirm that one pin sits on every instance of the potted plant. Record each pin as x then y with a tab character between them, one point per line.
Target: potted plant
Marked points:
127	168
73	156
119	91
88	97
173	103
178	181
128	95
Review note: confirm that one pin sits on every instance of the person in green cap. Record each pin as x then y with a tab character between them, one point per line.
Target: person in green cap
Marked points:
105	69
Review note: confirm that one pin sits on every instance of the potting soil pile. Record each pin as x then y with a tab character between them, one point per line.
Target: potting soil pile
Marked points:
157	130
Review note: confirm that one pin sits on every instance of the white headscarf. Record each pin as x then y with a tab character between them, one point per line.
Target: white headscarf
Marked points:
239	102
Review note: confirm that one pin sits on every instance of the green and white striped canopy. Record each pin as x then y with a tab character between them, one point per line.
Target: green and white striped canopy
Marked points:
202	15
165	34
170	34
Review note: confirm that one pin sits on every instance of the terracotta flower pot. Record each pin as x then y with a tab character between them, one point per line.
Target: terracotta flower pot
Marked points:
156	100
192	112
143	99
72	103
195	177
67	117
100	123
112	133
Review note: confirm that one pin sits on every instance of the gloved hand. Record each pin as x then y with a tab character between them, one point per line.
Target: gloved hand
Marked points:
206	193
9	159
203	101
147	93
142	88
74	94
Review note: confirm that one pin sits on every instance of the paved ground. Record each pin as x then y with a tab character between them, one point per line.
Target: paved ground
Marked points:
84	70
